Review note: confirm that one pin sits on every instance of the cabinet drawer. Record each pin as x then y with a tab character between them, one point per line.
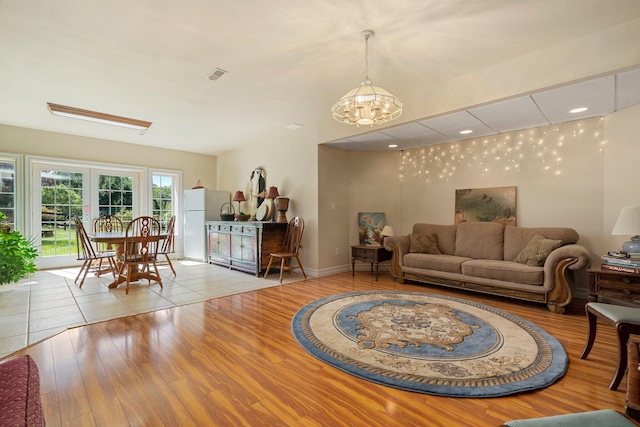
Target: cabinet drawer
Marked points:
626	285
243	229
363	255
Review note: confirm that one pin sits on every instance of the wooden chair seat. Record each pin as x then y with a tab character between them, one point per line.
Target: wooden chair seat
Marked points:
626	320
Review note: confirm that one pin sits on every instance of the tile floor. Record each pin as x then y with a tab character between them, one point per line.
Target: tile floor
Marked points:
49	301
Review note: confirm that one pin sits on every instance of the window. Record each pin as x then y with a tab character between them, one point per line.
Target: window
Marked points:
8	190
163	197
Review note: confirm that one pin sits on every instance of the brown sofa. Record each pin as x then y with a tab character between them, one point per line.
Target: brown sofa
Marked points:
492	258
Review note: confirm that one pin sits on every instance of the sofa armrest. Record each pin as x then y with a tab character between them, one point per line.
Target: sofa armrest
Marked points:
399	246
556	277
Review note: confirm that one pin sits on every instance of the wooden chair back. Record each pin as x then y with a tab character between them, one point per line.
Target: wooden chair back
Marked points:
107	223
84	246
293	236
142	240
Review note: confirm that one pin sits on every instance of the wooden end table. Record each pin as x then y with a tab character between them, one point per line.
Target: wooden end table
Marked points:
622	288
366	253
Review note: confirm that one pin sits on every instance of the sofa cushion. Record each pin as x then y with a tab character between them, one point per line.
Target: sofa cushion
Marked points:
446	263
424	243
507	271
20	401
446	235
537	251
481	240
516	238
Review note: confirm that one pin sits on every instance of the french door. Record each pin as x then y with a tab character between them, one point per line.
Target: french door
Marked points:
63	192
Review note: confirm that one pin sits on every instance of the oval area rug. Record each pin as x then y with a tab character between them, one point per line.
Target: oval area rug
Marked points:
429	343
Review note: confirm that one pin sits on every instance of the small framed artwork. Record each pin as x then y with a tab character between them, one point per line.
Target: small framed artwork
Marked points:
370	225
495	204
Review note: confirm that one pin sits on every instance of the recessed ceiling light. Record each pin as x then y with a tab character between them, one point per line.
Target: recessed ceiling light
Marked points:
393	145
94	116
293	126
465	132
578	110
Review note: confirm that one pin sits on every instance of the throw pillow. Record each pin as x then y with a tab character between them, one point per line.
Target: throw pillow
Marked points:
537	251
424	243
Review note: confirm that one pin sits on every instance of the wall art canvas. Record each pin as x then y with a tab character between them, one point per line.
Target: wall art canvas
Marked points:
370	225
497	204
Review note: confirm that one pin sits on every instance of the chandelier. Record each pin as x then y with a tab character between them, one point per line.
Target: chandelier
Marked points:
367	105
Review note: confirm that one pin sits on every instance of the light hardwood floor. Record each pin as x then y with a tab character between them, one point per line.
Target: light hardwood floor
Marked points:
232	361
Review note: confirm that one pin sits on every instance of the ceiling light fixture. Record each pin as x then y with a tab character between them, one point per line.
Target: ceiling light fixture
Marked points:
393	145
465	132
367	105
578	110
94	116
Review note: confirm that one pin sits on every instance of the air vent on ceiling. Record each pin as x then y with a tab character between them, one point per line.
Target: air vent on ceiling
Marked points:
216	74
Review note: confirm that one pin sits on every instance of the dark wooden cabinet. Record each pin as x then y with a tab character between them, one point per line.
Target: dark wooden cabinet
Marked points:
244	246
615	286
371	254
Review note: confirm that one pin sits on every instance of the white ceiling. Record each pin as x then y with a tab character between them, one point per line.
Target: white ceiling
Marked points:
287	62
601	96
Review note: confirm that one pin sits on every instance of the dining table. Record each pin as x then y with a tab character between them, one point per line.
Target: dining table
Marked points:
116	240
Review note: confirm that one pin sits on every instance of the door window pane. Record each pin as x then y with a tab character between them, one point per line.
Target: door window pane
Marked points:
115	197
162	199
61	200
7	191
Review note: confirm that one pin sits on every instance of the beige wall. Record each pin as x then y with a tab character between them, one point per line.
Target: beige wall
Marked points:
290	160
577	174
621	155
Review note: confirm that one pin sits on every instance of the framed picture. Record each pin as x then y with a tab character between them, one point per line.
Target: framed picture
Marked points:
370	225
496	204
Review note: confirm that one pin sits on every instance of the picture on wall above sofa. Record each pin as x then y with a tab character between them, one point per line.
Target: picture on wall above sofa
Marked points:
370	225
496	204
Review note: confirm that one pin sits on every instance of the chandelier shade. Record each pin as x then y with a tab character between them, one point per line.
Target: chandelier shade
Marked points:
367	105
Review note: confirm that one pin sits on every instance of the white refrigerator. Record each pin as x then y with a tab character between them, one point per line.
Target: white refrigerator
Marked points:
200	205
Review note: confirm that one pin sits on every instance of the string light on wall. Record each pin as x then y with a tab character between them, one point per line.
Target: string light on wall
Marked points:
539	148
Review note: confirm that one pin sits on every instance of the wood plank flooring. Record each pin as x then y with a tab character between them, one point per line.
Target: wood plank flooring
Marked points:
232	361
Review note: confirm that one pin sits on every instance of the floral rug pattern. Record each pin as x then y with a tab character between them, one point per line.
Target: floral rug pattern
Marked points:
430	343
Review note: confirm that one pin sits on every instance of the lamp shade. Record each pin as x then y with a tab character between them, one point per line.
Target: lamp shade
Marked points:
239	197
272	193
387	231
628	224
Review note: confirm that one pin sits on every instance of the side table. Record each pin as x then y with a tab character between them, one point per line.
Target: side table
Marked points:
366	253
623	288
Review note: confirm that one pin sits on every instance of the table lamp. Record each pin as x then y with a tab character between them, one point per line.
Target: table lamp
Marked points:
239	197
386	232
628	223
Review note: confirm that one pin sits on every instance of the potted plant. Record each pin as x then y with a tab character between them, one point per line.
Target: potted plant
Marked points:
17	256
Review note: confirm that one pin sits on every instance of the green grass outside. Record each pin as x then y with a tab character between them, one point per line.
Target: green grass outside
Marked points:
63	242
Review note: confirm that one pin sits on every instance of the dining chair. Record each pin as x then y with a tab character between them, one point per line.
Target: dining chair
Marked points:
290	248
166	246
106	223
141	246
88	254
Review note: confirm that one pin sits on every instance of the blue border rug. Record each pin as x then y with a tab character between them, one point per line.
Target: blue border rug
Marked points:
430	343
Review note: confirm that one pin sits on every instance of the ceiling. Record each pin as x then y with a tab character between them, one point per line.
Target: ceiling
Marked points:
287	62
600	96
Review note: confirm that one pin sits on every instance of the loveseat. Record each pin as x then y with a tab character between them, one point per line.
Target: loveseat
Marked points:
526	263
